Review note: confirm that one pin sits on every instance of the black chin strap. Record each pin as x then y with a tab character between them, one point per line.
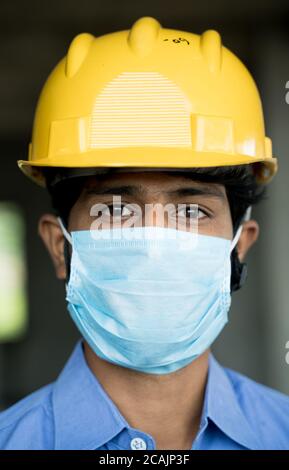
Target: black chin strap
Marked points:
238	271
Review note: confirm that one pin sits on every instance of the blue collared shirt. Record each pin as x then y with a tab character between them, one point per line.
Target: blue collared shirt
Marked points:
75	412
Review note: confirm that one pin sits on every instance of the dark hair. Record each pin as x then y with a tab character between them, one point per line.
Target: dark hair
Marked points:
239	181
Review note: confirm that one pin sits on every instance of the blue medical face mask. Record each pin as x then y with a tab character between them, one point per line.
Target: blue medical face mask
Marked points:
153	301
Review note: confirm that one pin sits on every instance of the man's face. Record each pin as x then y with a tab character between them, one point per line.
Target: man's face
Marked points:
147	189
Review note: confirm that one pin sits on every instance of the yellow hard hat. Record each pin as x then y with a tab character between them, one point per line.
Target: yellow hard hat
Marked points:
149	97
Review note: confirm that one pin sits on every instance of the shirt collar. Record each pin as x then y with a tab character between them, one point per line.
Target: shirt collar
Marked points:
86	417
221	405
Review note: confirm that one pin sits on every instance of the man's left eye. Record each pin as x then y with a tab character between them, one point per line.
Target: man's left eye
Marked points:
121	210
191	212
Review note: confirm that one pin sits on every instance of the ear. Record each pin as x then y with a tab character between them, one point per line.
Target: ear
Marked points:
249	235
52	236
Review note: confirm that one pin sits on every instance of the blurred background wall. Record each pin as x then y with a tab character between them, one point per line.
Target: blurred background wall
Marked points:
33	37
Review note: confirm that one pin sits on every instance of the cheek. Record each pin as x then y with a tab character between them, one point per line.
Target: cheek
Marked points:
225	225
225	228
218	226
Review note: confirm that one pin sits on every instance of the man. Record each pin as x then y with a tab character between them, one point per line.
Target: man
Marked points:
128	122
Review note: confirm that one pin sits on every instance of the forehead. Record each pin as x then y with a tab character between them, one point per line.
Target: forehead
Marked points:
145	181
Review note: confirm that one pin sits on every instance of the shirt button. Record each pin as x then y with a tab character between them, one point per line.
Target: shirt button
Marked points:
137	443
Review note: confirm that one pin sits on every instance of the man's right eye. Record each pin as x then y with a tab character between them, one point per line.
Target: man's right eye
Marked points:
122	210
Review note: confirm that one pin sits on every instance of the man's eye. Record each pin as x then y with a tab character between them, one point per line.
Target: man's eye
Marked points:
121	210
191	212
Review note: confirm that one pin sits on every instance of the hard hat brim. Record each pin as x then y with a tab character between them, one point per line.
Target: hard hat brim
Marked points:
140	158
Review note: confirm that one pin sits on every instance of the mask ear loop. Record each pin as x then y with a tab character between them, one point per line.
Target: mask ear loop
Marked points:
248	213
67	241
240	228
236	237
64	231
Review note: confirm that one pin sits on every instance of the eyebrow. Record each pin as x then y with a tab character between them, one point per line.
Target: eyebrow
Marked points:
132	190
205	190
127	190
